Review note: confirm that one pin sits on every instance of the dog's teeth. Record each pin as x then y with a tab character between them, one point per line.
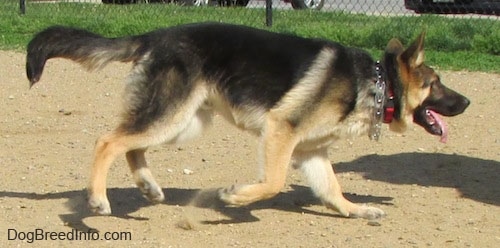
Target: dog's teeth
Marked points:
430	118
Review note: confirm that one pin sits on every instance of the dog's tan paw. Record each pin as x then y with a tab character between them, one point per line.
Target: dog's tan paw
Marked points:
245	194
99	205
230	196
367	212
152	192
227	195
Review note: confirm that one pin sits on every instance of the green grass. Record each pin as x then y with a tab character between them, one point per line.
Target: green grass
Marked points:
451	43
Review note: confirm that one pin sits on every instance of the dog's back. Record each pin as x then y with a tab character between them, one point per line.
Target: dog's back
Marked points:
239	58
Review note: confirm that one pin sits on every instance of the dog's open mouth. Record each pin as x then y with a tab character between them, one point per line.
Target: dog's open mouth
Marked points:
432	122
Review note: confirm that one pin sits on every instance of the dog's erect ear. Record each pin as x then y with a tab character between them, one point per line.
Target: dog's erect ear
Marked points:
394	46
413	56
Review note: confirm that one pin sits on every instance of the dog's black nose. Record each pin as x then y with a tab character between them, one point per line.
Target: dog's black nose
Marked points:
466	102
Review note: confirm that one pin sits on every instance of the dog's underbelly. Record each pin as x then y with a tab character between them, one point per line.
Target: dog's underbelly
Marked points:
323	136
248	118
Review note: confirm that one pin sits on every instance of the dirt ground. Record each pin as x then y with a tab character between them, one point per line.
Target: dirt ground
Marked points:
434	194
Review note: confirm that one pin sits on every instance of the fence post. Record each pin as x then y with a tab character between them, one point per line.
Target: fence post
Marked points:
269	13
22	6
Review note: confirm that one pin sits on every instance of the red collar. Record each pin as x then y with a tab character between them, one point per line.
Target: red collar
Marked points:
389	104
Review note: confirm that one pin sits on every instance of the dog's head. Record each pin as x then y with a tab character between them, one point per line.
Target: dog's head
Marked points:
419	95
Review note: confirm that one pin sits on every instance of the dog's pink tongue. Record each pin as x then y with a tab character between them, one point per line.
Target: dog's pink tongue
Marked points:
442	125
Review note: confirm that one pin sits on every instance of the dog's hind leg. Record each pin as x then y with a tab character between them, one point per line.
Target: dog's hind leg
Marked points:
183	121
319	173
108	147
137	161
143	177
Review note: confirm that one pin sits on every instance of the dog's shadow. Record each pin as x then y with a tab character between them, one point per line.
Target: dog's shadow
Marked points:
474	178
125	201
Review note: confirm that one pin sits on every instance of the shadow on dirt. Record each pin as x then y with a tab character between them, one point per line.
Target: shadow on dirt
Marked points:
125	201
475	178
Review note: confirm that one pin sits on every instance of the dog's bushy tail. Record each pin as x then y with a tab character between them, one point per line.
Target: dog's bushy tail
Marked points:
89	49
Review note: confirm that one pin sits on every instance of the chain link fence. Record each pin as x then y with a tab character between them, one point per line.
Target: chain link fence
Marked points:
457	8
451	25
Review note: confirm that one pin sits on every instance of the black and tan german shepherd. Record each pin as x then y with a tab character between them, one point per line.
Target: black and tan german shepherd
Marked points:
298	95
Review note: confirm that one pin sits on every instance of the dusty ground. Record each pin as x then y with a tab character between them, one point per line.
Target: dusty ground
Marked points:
435	195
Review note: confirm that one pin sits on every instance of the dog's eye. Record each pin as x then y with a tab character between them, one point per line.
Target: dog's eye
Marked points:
427	84
430	83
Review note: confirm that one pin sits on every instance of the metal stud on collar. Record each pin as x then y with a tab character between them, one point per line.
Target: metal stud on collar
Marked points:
378	109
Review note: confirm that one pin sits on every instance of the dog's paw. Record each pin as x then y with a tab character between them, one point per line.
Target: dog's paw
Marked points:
366	212
99	205
229	196
152	192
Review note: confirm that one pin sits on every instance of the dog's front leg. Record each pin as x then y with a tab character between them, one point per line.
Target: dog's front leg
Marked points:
319	173
278	142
